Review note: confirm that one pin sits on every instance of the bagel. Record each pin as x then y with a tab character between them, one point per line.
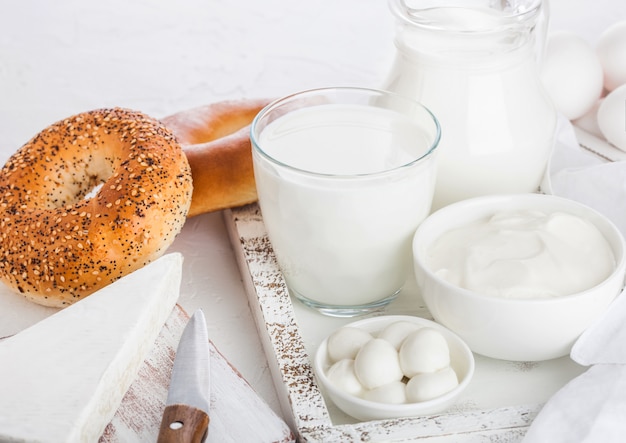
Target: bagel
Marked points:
62	237
216	140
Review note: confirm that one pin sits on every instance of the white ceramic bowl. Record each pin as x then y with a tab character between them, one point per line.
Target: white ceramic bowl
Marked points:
514	329
461	360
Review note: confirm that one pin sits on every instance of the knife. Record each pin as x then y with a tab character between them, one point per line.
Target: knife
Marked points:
186	415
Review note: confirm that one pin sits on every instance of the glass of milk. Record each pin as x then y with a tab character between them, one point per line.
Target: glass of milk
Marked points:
344	177
474	64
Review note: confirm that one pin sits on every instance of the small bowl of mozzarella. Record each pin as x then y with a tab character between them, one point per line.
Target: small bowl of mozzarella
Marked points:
518	277
393	366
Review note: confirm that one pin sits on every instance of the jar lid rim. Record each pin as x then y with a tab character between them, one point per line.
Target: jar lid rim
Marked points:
453	16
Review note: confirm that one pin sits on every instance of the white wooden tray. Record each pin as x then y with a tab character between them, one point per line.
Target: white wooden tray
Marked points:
498	406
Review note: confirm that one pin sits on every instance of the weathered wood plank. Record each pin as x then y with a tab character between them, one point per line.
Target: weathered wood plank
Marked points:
237	413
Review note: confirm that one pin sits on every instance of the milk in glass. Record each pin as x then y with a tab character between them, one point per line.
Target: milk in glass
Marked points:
342	188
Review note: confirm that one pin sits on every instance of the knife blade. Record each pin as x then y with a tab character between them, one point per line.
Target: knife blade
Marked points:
186	414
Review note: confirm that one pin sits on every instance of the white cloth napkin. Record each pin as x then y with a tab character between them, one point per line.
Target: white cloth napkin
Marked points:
591	407
582	176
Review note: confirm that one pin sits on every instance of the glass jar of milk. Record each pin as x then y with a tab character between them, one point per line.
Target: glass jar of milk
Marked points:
474	64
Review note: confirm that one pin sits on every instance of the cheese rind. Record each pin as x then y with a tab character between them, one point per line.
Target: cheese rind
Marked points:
63	378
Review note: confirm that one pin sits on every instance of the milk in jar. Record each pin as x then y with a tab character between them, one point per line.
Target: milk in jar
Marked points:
474	64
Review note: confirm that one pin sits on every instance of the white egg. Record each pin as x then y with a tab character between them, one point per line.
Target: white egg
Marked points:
346	342
391	393
589	121
377	364
425	350
424	387
571	74
396	332
611	50
342	375
612	117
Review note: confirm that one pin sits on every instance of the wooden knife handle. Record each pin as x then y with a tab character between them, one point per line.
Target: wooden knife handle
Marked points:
183	424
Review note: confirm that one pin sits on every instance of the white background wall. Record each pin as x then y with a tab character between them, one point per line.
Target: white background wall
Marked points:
61	57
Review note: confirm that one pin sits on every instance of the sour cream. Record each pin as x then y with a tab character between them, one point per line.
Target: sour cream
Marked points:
529	254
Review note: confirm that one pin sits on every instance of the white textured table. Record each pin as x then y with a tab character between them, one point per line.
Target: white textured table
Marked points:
60	58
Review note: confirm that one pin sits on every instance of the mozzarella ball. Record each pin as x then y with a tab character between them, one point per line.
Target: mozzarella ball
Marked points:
425	350
611	51
391	393
612	117
571	74
342	375
377	364
396	332
427	386
346	342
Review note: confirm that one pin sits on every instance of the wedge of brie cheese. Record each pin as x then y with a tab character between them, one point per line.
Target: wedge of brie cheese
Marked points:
62	379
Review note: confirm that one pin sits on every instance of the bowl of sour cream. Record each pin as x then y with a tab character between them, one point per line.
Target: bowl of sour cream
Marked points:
518	277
